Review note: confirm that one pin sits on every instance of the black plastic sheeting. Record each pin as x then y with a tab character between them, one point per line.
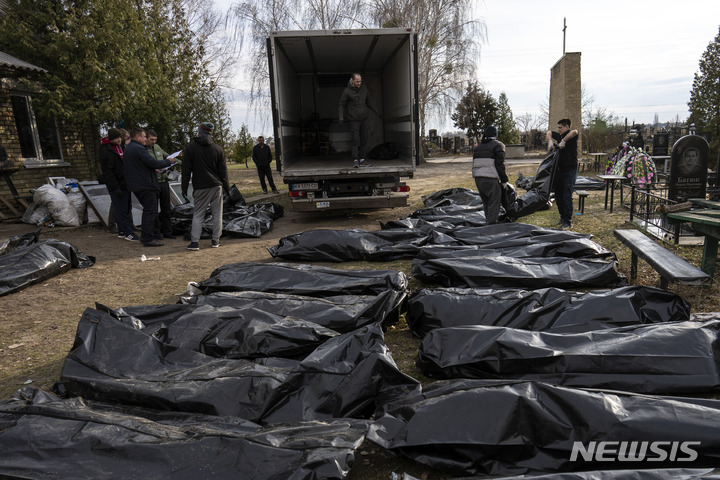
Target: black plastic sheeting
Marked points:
310	280
226	332
44	436
28	261
531	272
452	196
676	357
474	427
18	241
347	376
419	224
522	248
350	245
516	240
587	183
538	197
549	309
342	313
239	220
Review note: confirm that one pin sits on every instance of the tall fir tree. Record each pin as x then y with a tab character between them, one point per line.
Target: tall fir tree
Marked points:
704	104
507	129
476	111
134	62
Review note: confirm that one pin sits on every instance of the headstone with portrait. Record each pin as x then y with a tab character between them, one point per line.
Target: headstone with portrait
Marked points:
660	143
688	168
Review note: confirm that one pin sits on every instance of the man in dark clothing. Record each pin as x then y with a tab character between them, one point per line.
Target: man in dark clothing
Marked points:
262	156
353	107
204	161
111	162
488	168
164	224
141	179
566	172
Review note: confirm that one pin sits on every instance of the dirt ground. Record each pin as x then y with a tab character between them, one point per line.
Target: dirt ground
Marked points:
37	324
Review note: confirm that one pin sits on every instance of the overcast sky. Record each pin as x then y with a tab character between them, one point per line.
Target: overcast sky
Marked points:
638	56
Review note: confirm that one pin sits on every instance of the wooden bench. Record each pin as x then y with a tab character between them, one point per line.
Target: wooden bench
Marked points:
672	269
582	195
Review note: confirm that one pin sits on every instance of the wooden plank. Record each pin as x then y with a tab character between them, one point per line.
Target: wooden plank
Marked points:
10	207
706	203
708	217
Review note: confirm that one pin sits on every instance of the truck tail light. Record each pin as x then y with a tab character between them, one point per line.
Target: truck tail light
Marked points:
297	193
401	188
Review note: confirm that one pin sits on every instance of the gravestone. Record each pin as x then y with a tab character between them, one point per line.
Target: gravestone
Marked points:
660	143
688	168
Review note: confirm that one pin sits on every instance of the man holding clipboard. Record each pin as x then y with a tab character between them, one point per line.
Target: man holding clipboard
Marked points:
163	225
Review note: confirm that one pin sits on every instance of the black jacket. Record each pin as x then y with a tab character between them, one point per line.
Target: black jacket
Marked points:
568	155
354	104
489	159
111	164
204	161
140	168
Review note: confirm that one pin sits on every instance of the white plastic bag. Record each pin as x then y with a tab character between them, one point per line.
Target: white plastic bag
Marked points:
77	200
58	205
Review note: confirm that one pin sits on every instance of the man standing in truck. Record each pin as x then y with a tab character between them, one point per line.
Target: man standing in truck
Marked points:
354	105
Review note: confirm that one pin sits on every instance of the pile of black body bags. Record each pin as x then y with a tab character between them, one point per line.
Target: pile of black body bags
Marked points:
26	260
546	360
541	360
272	372
239	219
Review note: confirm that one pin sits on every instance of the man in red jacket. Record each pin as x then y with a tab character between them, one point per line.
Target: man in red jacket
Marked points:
204	162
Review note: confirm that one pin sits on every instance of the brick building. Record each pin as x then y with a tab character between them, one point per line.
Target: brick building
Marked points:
38	146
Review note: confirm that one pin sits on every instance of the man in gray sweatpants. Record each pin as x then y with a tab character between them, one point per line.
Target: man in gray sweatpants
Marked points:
204	162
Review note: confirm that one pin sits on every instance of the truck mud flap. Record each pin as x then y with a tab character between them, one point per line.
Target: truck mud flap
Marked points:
342	203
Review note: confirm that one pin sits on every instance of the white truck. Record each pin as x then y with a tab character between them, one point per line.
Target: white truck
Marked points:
308	72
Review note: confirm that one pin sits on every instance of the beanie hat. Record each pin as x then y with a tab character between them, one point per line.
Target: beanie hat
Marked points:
491	132
207	127
114	133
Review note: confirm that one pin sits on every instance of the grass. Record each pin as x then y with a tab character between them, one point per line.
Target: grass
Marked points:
371	461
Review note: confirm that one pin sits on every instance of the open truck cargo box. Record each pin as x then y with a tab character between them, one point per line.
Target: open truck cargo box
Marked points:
308	72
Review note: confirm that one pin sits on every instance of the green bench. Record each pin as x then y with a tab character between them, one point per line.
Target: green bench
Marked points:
672	269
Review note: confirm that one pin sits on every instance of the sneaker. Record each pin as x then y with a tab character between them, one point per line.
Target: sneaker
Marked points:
264	192
122	235
356	164
193	246
566	224
215	243
363	163
275	191
132	238
153	243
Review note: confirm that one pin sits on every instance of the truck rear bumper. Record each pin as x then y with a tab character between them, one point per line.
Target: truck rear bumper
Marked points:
343	203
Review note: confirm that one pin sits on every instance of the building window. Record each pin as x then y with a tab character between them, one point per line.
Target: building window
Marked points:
39	139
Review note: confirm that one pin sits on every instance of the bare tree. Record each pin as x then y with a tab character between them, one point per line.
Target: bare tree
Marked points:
448	38
220	45
448	42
